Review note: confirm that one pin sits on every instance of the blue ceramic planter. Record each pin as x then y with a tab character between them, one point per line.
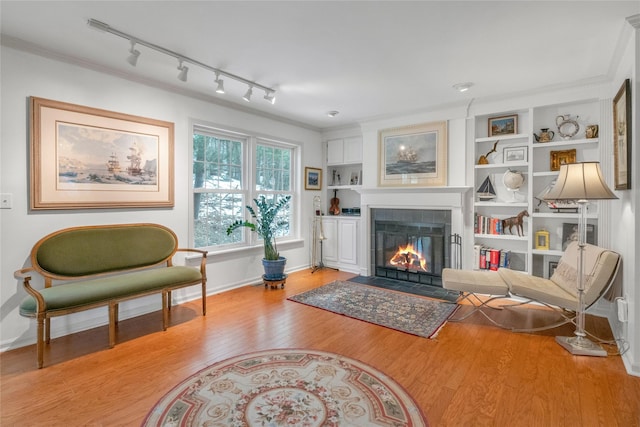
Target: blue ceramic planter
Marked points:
274	269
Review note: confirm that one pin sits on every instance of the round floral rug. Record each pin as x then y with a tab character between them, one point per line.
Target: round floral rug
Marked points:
287	388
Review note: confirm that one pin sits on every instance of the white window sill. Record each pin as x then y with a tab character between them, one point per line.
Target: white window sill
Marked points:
235	253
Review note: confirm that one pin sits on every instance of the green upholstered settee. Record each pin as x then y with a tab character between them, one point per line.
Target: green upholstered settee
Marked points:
94	266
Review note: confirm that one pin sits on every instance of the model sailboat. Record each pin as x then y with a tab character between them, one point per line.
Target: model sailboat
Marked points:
486	190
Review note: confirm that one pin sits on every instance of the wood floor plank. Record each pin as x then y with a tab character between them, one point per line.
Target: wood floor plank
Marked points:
472	373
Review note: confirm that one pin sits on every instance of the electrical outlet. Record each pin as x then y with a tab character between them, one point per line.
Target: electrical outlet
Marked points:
623	313
6	201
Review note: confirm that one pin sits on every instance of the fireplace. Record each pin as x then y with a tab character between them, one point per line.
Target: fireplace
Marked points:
411	244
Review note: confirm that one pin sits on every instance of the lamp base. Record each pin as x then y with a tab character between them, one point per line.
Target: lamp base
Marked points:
581	346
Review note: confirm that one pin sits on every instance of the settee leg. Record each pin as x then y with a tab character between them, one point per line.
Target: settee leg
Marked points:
47	330
165	310
112	323
204	298
40	341
169	300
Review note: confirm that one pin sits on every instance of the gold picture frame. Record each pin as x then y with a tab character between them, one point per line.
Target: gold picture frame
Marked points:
87	158
559	158
312	178
622	137
413	156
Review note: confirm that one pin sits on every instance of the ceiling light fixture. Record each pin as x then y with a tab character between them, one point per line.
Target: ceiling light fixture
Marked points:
134	54
184	70
247	96
270	96
270	92
333	113
462	87
220	82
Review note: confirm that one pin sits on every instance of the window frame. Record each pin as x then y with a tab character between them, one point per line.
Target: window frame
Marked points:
250	142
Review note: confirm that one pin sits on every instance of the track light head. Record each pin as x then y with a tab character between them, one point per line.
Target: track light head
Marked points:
270	96
134	54
184	70
247	96
220	82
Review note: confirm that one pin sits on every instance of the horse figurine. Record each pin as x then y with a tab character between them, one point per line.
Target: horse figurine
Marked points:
515	221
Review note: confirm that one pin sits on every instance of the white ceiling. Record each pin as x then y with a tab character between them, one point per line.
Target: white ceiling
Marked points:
364	59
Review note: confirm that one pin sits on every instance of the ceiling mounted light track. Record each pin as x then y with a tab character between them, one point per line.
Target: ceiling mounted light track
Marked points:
134	54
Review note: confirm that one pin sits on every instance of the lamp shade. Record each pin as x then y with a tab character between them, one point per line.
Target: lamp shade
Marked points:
580	181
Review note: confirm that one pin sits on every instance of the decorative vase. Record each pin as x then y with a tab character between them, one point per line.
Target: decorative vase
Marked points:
274	269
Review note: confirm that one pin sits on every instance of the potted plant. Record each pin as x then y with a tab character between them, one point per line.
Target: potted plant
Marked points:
267	224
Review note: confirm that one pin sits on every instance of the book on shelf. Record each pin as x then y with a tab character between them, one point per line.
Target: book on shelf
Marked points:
487	258
487	225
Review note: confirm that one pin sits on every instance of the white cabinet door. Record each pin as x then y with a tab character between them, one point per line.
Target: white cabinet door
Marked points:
348	241
330	244
353	150
335	152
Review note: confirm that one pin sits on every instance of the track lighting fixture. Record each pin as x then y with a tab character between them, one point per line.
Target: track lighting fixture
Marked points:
220	82
134	54
247	95
184	70
270	96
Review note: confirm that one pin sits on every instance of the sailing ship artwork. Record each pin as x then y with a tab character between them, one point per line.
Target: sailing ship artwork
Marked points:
411	154
486	192
96	156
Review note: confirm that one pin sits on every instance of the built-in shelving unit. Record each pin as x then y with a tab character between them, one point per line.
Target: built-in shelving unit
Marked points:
536	167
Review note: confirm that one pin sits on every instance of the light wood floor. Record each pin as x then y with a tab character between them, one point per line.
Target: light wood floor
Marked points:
472	374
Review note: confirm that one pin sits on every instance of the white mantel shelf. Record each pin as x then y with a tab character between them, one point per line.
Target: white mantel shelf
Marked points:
411	190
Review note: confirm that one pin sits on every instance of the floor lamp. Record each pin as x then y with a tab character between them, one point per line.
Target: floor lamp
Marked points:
580	182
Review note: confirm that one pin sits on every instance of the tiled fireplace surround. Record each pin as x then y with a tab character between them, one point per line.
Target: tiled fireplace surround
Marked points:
433	205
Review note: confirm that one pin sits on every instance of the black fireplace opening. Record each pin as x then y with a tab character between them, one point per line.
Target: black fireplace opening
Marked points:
411	245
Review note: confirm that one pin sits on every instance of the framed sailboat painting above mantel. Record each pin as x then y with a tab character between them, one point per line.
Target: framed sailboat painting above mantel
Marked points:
413	156
83	158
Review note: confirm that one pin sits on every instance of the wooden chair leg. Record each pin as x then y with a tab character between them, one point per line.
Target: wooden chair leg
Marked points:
40	341
113	307
165	310
204	298
47	330
169	300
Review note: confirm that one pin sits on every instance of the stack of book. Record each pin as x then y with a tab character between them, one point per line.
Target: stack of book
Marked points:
487	225
490	258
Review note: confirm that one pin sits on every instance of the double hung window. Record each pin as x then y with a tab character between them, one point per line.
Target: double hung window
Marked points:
229	171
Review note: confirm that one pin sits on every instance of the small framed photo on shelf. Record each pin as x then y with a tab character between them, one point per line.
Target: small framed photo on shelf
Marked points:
542	240
514	154
563	157
355	178
552	268
503	125
312	179
570	234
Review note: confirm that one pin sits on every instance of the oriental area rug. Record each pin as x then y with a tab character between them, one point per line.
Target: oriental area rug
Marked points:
403	312
287	387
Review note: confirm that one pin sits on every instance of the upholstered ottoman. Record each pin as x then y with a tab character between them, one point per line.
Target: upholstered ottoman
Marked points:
475	282
470	283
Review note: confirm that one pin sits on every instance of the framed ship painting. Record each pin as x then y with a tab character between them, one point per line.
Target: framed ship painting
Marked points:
83	158
413	156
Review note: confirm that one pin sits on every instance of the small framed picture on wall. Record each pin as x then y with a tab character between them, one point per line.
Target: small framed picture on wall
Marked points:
312	179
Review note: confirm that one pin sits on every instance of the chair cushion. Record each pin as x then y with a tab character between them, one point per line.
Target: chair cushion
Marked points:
599	266
477	282
537	288
76	294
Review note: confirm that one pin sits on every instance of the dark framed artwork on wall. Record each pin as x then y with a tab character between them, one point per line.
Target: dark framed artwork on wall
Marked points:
83	157
622	137
312	178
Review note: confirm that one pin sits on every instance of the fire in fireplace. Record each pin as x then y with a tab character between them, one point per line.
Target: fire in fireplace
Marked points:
411	244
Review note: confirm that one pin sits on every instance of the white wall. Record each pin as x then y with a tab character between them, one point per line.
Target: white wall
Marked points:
626	233
23	75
